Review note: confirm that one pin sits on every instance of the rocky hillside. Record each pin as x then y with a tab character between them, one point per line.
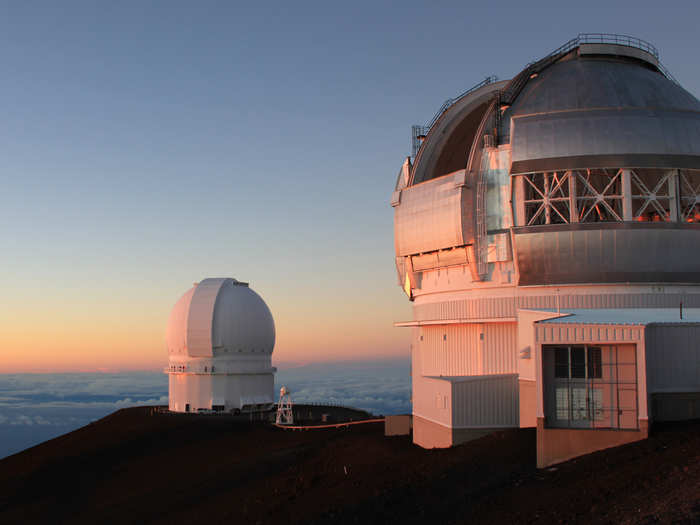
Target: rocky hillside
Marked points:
136	466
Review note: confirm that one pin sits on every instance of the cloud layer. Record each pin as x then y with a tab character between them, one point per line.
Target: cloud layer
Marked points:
380	387
37	407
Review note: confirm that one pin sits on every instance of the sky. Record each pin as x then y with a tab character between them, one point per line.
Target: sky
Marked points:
145	146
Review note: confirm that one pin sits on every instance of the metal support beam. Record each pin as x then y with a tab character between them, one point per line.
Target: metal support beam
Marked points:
627	210
519	200
673	196
573	205
547	208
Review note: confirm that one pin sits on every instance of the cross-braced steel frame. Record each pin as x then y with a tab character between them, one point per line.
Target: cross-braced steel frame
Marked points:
607	195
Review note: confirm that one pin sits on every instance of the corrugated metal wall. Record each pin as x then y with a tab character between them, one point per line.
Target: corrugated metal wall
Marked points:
581	333
500	341
468	349
673	358
466	309
507	306
486	402
450	350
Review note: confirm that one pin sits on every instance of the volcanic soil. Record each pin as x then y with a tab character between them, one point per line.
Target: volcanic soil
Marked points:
136	466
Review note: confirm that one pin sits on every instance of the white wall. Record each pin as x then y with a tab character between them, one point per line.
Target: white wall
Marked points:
526	341
467	349
194	389
205	390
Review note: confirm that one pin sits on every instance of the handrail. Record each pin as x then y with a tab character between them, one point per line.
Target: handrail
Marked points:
419	132
331	425
624	40
508	95
581	38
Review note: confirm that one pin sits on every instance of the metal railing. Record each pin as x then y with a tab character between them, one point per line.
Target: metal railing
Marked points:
344	424
508	95
488	80
622	40
516	85
419	132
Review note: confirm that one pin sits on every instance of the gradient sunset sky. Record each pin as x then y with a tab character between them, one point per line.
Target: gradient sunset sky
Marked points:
149	145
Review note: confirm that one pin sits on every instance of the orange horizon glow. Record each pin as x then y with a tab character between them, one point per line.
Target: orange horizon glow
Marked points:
110	338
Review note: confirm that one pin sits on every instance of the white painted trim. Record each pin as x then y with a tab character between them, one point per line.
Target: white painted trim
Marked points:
465	379
221	373
642	395
432	420
496	427
461	427
403	324
687	389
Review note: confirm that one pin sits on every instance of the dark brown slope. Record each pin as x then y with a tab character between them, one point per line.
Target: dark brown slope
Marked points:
134	468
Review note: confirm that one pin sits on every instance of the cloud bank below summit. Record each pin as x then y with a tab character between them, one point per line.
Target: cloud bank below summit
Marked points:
37	407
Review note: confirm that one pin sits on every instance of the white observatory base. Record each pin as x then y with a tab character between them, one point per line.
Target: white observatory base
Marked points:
219	392
220	338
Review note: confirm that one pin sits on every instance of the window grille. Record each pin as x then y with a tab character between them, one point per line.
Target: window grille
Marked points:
590	386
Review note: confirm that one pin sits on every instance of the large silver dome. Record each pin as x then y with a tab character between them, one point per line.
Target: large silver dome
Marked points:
583	168
600	111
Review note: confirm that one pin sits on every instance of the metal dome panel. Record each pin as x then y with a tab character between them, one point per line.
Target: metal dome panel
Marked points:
220	318
176	332
242	322
603	112
434	215
199	321
609	253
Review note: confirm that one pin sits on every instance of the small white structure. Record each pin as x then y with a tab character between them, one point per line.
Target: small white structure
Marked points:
220	338
285	415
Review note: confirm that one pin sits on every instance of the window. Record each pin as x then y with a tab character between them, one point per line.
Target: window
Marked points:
595	368
561	362
562	402
588	386
577	362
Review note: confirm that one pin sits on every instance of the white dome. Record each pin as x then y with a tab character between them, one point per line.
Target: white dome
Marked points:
220	317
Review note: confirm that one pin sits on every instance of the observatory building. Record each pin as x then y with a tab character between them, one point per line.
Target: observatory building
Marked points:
220	338
547	232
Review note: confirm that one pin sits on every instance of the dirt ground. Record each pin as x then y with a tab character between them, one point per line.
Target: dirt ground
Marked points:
138	467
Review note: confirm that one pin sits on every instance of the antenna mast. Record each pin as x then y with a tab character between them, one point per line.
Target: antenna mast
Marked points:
285	414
